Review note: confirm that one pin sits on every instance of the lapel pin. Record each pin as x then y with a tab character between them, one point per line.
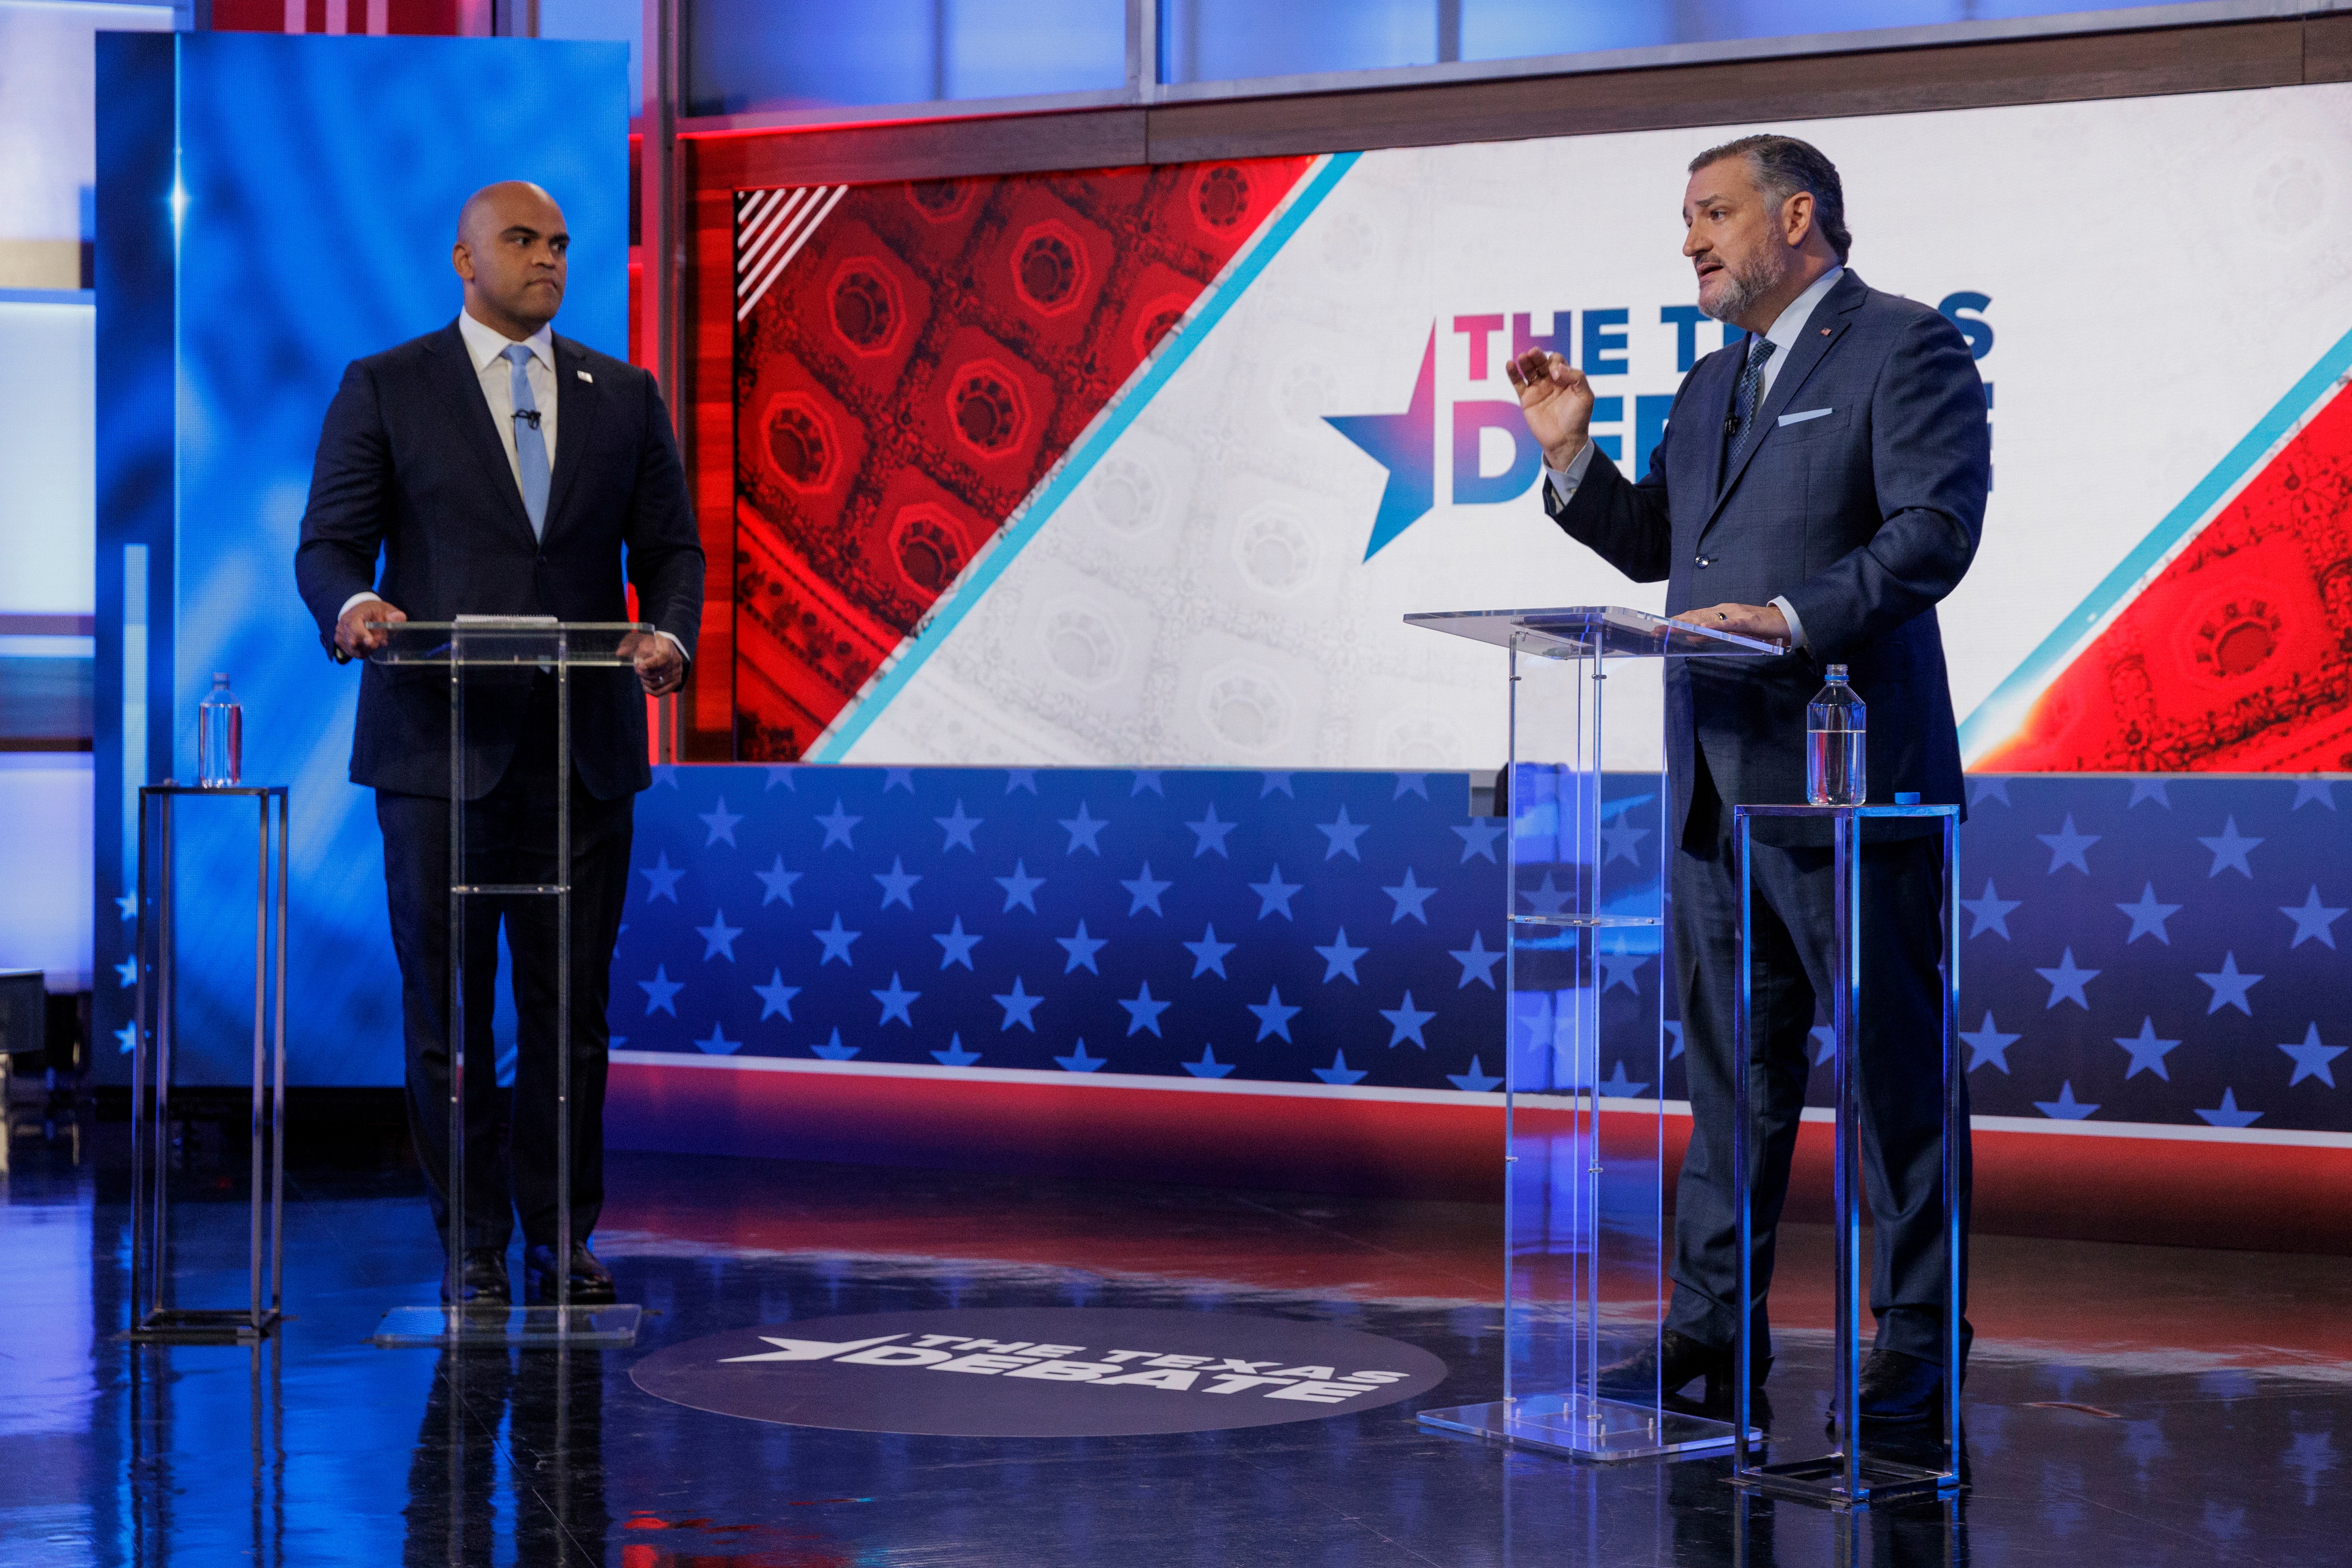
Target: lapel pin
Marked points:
584	376
1825	332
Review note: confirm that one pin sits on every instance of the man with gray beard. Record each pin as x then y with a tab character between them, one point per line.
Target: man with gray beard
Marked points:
1820	484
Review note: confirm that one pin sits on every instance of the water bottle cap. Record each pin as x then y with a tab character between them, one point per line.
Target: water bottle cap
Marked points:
220	677
1837	672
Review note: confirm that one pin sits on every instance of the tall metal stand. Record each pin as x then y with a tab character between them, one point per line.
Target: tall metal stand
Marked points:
152	1314
1585	1286
1846	1478
520	644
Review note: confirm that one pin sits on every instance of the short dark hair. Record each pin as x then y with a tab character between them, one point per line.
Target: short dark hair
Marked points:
1781	166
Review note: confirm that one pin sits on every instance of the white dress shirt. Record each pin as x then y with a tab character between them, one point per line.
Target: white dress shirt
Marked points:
486	347
1782	335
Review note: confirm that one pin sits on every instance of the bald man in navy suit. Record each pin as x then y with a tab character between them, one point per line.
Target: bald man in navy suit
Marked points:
1822	485
498	469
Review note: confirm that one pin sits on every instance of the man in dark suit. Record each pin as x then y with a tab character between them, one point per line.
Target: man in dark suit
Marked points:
501	470
1822	485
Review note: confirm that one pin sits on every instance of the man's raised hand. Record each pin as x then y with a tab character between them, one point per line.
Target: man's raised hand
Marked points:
1556	401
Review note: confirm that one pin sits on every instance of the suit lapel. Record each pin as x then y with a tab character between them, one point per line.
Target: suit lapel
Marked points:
576	405
1714	408
1827	324
461	390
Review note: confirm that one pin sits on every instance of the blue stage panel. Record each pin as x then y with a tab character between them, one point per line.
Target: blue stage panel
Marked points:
269	209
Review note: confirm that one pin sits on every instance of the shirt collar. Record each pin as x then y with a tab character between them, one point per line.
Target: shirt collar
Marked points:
1783	335
486	344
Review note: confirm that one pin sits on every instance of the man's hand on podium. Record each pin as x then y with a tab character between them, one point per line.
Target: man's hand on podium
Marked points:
1556	402
1762	621
660	667
354	638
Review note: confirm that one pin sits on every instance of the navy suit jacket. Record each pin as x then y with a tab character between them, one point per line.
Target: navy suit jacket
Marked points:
409	465
1863	517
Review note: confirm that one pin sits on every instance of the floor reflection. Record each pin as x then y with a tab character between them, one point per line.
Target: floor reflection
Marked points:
2180	1436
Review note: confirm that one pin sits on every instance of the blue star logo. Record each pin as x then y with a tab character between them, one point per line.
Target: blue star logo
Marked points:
1020	1007
1987	789
778	881
2306	790
718	1044
956	943
2229	986
1623	969
1339	1072
1990	913
1406	446
955	1055
661	992
1269	783
837	943
1020	888
2312	920
1410	896
1272	1017
126	973
1410	784
2066	847
1474	1082
1987	1043
958	828
1146	779
837	827
1078	1061
1208	1066
1083	829
2066	982
2065	1108
1209	833
781	773
1478	839
1274	894
1342	835
1142	1011
1082	949
718	937
722	823
898	778
1340	958
897	1002
1144	889
1478	962
2310	1058
833	1049
1022	779
1617	1086
2148	789
2147	917
775	997
2227	1114
1405	1022
2230	851
897	884
2147	1052
1621	842
1209	954
661	878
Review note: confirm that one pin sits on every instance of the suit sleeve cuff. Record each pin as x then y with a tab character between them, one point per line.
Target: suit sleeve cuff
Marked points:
675	644
1564	481
362	596
1788	614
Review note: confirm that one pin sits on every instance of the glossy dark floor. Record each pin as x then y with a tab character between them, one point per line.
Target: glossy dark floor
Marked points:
2127	1405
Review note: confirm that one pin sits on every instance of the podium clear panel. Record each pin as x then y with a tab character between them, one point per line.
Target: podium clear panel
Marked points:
1588	1234
476	649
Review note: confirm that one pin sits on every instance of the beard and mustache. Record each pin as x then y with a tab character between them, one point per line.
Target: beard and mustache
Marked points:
1745	284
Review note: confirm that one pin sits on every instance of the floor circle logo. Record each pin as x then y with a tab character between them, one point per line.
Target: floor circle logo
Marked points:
1046	1371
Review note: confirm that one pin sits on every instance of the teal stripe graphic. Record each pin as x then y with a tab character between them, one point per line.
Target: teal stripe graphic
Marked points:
1081	462
1999	714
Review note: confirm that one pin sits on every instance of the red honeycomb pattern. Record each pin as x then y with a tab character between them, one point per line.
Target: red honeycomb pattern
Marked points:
2238	657
932	352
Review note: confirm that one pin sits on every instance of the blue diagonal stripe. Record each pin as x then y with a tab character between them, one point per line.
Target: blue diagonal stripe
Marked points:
1059	486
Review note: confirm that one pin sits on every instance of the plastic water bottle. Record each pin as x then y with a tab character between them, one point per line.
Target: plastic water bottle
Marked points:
220	737
1834	724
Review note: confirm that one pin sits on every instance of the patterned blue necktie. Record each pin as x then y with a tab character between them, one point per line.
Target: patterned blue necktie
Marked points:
1751	388
531	447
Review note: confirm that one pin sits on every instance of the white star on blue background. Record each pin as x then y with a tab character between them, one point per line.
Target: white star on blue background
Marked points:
2229	985
2311	1058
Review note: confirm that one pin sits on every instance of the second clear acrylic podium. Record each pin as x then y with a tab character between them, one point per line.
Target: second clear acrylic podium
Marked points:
1585	1283
472	648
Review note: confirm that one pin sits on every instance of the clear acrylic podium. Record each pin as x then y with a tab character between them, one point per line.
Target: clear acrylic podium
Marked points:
489	644
1585	1280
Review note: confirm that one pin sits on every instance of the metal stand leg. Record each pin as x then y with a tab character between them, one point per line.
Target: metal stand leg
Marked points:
1846	1479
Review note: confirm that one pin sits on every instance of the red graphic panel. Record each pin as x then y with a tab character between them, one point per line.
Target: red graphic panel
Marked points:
2238	657
922	356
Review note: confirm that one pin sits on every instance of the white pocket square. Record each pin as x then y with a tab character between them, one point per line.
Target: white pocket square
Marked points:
1808	413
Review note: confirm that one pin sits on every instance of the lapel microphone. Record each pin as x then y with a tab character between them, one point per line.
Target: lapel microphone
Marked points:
529	414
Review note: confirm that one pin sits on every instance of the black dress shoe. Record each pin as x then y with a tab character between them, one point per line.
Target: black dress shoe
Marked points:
481	1279
1899	1389
591	1282
1676	1359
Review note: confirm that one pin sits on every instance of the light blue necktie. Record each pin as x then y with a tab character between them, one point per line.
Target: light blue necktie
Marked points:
1752	386
531	447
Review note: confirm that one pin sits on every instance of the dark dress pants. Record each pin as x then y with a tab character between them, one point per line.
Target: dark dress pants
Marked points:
1899	1049
510	838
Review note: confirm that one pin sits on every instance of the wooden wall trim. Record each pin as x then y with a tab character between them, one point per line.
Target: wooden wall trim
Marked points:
2214	58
